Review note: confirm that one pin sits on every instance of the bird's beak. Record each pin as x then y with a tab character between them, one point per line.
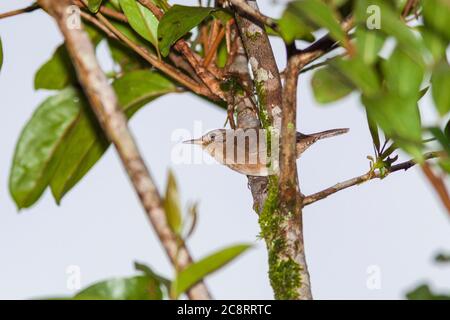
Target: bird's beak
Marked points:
194	141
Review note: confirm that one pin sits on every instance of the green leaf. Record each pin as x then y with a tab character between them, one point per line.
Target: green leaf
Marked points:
172	204
440	87
399	118
402	74
152	274
436	14
368	44
133	288
86	143
94	5
124	57
142	20
328	85
62	141
361	75
178	21
292	27
56	73
434	44
373	128
447	130
37	150
442	138
318	14
423	292
391	24
199	270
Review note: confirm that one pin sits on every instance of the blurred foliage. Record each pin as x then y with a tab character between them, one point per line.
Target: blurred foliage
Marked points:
423	291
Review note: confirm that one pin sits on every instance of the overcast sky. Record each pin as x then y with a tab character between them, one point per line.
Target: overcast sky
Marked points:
394	226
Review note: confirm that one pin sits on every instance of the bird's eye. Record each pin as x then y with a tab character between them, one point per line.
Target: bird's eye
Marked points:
212	137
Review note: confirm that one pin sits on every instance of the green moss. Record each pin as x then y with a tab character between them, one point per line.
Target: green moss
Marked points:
284	273
253	36
284	278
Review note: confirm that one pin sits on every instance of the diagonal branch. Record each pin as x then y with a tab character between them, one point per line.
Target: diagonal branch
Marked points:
104	104
17	12
363	178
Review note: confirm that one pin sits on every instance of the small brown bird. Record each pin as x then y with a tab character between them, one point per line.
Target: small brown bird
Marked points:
245	151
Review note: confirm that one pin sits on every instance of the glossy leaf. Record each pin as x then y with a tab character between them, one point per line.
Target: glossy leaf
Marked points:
172	205
133	288
62	141
142	20
199	270
317	13
178	21
328	85
94	5
86	143
440	87
56	73
39	146
163	281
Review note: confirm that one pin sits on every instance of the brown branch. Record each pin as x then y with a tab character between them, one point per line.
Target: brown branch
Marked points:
157	63
17	12
363	178
104	104
213	49
182	46
264	67
438	185
290	203
111	13
321	46
86	16
246	10
285	240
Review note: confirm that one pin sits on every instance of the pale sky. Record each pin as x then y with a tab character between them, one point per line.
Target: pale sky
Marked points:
395	226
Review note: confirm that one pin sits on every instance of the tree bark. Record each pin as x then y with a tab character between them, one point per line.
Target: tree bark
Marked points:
104	103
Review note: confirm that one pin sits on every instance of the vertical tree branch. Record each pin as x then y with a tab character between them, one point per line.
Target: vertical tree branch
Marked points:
104	103
290	204
281	213
264	67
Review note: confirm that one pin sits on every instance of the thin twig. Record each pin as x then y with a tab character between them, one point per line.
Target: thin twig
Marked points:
13	13
114	123
321	46
204	73
363	178
157	63
86	16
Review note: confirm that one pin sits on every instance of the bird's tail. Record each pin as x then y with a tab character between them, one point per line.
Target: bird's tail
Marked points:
322	135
